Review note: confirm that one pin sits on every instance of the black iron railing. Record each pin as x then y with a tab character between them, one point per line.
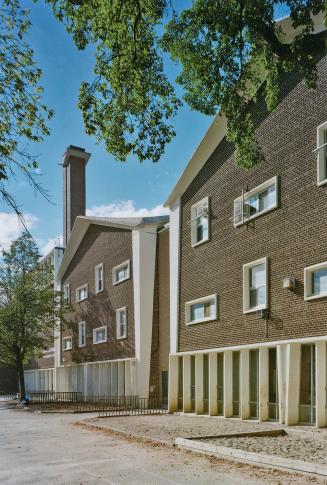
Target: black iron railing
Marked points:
135	406
95	404
53	397
8	397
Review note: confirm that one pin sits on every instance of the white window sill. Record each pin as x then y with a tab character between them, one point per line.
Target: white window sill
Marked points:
194	245
100	342
321	182
201	320
121	338
83	299
120	281
81	346
66	350
256	215
99	291
315	297
255	309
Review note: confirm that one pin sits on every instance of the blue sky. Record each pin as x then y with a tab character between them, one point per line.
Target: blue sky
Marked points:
113	188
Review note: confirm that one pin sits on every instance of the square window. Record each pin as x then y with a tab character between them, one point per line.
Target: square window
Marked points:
322	154
67	298
99	280
255	286
257	201
81	334
67	343
100	335
315	281
121	323
121	273
82	293
201	310
200	222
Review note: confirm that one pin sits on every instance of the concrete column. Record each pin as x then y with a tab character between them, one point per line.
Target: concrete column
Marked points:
321	384
281	370
293	358
187	384
133	378
213	383
199	405
263	383
114	379
128	378
228	383
173	384
245	384
85	379
121	378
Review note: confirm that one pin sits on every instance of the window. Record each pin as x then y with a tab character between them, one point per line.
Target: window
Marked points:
201	310
121	273
100	335
81	293
256	202
67	299
315	281
99	282
121	323
200	222
67	343
81	334
255	284
322	154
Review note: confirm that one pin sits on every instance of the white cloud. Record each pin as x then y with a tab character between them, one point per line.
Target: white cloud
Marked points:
11	227
125	208
47	245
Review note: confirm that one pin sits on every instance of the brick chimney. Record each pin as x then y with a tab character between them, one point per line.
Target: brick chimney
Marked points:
73	162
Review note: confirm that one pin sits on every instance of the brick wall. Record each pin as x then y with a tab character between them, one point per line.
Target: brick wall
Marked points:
292	236
110	246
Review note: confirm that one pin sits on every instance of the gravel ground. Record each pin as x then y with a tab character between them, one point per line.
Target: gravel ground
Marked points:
294	445
168	427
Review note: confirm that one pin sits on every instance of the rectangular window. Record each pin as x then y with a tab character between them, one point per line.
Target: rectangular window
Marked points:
200	222
255	282
67	343
257	201
81	334
322	154
121	272
100	335
67	299
82	293
121	323
201	310
315	281
99	281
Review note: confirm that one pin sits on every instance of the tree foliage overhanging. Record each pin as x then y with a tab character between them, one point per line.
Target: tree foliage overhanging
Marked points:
222	46
23	116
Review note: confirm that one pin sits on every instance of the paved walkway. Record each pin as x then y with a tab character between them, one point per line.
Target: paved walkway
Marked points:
49	449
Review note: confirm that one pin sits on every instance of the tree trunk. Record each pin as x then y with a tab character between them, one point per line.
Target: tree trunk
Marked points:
21	378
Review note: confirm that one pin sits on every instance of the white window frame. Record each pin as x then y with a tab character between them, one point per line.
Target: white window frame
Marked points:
203	202
189	304
68	299
321	154
67	339
95	330
308	295
118	267
118	312
80	334
96	270
242	199
80	288
246	286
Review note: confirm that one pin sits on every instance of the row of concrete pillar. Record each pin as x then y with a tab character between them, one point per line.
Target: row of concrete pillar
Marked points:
288	379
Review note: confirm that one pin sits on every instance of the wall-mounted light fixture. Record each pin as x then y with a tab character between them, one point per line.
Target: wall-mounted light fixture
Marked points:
289	282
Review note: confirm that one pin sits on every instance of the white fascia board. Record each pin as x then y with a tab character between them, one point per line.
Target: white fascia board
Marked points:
174	243
144	241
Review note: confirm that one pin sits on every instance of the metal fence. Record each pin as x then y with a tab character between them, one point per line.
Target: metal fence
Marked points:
8	397
136	406
53	397
95	404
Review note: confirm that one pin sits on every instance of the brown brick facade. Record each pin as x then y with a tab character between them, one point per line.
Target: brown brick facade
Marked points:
292	236
110	246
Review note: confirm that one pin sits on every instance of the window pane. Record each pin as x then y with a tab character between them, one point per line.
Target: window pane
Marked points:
319	281
121	273
253	204
197	311
257	276
267	198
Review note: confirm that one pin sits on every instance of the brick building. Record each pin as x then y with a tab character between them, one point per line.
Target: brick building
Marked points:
248	261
